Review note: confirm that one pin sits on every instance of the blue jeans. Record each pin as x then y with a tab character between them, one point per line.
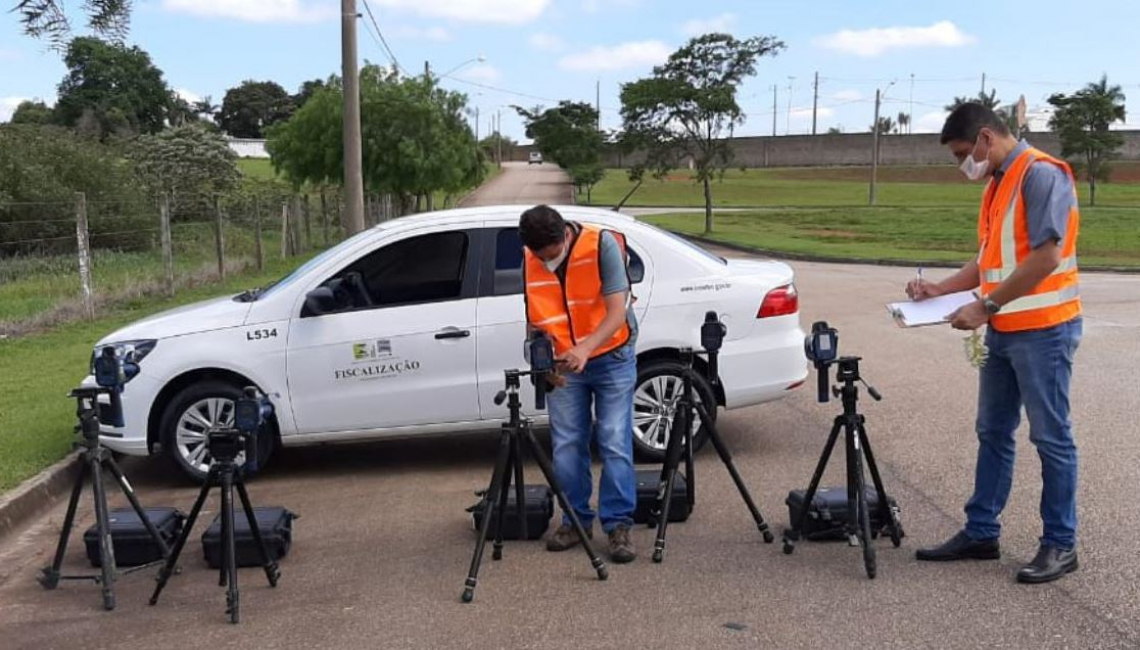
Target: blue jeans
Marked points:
608	382
1030	369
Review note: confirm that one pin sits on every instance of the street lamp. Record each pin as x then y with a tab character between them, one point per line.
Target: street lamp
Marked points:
478	59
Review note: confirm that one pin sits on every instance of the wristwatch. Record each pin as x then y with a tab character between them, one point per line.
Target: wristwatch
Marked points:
991	306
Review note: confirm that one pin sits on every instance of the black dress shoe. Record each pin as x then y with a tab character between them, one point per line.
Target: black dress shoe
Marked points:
961	547
1051	563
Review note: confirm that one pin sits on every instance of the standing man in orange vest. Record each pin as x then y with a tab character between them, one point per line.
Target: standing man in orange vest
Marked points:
1026	275
578	294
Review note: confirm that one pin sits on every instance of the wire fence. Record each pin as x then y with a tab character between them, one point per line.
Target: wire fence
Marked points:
61	251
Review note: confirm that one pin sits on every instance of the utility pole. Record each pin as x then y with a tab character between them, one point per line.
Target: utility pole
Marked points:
774	111
814	103
598	102
983	83
427	69
788	123
499	136
353	219
875	148
476	123
910	118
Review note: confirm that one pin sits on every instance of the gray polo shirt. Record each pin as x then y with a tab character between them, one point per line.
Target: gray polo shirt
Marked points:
1048	193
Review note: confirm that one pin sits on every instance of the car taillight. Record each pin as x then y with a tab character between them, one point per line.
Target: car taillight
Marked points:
780	301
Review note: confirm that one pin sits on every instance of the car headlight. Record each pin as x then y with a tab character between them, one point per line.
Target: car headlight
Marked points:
138	350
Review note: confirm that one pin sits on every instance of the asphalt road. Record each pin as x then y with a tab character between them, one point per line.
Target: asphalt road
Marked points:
383	543
523	183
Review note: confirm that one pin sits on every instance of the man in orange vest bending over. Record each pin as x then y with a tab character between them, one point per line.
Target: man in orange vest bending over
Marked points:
1026	275
577	293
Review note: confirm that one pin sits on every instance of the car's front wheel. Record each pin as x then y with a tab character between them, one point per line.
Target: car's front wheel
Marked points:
192	412
659	389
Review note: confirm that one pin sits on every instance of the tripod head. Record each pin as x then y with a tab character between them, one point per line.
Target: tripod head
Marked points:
822	348
251	412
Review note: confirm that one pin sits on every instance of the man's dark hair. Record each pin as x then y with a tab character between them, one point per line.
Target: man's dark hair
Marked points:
970	118
541	226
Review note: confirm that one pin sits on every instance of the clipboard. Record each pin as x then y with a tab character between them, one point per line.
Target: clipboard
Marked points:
932	311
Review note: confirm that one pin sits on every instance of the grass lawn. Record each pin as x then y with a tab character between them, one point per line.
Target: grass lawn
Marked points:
1109	236
832	186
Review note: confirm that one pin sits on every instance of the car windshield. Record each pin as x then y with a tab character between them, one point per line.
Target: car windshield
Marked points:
314	262
703	252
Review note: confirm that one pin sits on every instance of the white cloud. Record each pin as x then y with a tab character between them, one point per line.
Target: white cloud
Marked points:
930	122
187	95
546	42
847	96
437	34
257	11
595	6
801	119
875	41
723	23
602	58
483	11
8	106
483	73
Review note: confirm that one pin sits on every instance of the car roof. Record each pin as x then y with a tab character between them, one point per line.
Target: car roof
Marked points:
462	216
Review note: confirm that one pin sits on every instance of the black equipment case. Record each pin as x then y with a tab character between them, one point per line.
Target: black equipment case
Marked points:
828	513
647	482
275	524
132	543
538	509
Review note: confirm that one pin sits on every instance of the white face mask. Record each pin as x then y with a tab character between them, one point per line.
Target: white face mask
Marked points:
552	265
973	169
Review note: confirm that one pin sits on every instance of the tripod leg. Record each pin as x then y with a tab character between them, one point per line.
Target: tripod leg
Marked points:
673	451
564	503
726	458
51	575
489	499
504	492
167	569
887	514
103	523
794	532
272	571
864	517
129	491
229	567
520	489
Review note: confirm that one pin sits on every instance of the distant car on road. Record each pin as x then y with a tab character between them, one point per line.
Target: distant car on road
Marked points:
535	157
405	330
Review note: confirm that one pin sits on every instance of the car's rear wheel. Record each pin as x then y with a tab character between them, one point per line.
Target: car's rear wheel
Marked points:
659	388
190	414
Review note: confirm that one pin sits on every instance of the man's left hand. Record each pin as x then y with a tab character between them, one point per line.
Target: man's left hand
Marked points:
969	317
575	358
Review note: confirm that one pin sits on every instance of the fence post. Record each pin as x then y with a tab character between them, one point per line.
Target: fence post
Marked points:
284	228
257	233
324	218
83	239
295	225
219	239
308	223
167	241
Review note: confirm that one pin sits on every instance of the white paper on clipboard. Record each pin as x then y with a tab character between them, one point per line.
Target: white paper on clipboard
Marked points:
932	311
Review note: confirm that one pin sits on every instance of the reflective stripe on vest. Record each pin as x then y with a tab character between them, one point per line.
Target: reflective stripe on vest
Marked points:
1002	223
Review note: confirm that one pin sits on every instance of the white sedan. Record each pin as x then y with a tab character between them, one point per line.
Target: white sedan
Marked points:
405	329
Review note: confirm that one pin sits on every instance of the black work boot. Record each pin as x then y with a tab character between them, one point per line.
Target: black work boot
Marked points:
566	537
1051	563
961	547
621	548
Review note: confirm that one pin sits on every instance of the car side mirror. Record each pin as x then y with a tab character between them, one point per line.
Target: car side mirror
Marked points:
320	301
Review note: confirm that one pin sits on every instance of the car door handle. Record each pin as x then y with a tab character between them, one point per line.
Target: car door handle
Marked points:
452	334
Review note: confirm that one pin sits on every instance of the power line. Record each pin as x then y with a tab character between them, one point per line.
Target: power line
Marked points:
383	41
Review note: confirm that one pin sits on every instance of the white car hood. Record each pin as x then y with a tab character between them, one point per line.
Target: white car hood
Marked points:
216	313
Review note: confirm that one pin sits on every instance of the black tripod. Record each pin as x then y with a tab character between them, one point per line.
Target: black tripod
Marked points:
91	464
224	446
851	423
508	461
681	440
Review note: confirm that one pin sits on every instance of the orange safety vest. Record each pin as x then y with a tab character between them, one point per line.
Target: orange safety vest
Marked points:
1003	238
568	312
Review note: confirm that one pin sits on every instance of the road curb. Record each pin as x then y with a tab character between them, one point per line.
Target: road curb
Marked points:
31	497
827	259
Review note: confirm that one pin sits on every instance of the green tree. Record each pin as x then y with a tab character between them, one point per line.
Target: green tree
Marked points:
990	101
689	106
32	112
834	130
249	109
111	89
886	125
190	163
568	135
1082	120
903	123
307	90
47	19
490	144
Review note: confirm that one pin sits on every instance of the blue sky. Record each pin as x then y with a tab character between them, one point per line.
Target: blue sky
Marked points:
556	49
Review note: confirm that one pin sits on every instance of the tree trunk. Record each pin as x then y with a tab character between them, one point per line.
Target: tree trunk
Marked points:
708	207
1092	189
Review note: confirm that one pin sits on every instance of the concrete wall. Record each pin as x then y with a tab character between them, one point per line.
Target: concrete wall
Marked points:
851	149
